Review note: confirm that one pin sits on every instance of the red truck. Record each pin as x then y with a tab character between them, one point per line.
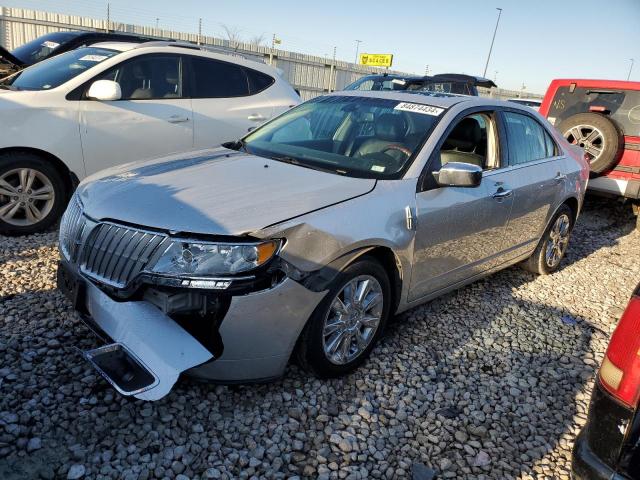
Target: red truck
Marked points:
602	117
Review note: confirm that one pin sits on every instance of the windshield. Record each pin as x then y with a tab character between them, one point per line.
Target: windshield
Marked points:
355	136
378	83
58	70
41	47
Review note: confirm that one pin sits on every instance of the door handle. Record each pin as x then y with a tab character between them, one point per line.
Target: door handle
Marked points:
559	177
256	117
502	193
177	119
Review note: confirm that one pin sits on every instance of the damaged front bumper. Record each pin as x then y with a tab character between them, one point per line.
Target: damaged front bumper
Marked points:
148	350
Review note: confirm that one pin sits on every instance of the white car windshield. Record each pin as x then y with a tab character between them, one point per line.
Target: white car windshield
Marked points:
356	136
57	70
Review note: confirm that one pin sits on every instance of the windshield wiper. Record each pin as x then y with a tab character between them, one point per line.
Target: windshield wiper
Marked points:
295	161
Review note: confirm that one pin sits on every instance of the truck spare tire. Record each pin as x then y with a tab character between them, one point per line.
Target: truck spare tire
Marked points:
600	138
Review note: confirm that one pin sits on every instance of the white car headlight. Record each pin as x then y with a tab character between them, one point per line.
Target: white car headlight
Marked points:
205	259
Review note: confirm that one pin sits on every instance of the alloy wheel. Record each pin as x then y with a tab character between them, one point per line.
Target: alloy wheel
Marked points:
352	319
26	196
558	241
587	137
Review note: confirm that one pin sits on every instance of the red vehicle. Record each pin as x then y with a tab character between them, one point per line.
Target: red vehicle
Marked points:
603	117
608	447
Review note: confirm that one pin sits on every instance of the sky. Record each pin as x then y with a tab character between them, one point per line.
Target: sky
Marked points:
535	42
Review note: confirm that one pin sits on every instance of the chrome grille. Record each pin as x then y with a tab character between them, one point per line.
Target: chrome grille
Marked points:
115	254
71	229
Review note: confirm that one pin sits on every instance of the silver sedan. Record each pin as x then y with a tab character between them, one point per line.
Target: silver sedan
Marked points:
304	237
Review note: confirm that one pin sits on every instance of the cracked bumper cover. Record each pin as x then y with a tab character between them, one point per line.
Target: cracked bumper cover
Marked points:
259	332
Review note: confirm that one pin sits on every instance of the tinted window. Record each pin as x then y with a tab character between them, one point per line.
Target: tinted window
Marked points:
527	139
148	77
258	81
55	71
623	105
214	79
42	47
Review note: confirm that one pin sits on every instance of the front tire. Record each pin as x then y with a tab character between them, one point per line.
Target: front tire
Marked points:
32	194
553	245
347	324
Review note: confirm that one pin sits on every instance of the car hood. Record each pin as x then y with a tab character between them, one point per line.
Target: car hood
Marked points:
219	191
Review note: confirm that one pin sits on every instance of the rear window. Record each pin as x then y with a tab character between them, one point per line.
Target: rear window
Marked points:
258	81
214	79
624	106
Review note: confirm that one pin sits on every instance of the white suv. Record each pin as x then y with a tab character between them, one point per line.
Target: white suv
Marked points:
112	103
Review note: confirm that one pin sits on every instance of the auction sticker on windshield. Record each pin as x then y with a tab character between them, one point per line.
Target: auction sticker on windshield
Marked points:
94	58
419	108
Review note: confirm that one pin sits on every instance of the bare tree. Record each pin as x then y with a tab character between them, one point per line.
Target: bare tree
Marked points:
257	40
232	33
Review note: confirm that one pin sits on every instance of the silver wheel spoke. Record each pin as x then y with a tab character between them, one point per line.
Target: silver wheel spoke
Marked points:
333	345
9	210
333	327
32	213
27	176
577	134
591	137
7	189
44	193
372	302
345	347
362	291
362	340
592	150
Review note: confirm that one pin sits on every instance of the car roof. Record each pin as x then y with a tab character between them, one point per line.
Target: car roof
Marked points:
525	99
119	46
444	100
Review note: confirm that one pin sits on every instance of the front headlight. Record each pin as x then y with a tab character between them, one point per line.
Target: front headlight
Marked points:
206	259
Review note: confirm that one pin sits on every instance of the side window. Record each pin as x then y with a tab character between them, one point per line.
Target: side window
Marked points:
258	81
473	140
214	79
527	139
148	77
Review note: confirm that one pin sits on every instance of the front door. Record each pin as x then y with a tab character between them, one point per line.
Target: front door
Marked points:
151	119
460	230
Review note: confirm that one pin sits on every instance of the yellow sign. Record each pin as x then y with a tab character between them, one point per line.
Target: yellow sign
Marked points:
376	59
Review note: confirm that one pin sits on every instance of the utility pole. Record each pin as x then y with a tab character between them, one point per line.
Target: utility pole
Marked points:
492	40
108	17
630	69
358	42
333	76
199	31
426	70
273	46
157	23
495	76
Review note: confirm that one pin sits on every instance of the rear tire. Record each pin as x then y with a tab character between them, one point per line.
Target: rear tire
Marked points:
598	135
32	194
553	245
350	326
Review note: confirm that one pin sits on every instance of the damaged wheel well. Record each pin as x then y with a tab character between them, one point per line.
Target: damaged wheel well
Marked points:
392	266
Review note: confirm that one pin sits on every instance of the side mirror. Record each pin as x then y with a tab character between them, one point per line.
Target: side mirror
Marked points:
458	174
105	91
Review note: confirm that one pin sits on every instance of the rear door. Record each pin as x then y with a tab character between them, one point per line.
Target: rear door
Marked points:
536	174
228	100
153	117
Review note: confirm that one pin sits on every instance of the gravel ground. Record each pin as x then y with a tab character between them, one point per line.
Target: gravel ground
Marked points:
491	381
